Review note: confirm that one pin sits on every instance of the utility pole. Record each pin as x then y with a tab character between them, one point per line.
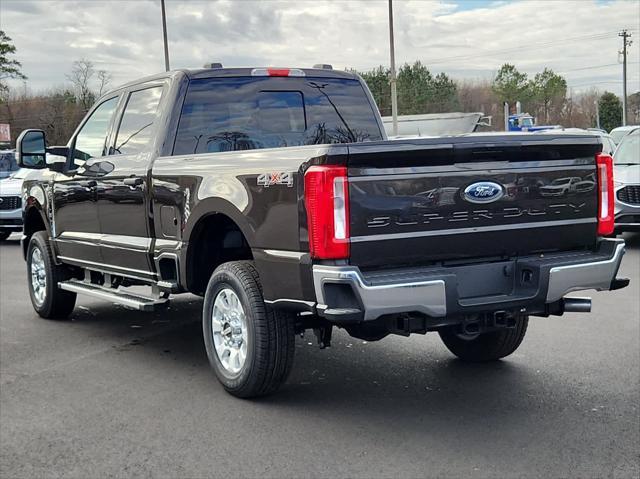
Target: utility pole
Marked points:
394	90
597	113
505	108
164	35
625	43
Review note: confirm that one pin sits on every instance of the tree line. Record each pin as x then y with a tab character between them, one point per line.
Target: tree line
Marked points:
543	95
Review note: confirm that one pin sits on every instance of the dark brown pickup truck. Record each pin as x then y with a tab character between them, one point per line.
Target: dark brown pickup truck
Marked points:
275	194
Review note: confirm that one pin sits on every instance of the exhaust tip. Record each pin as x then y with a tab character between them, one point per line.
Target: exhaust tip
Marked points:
576	305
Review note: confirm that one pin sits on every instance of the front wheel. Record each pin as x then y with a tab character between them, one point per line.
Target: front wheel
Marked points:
49	301
485	347
250	346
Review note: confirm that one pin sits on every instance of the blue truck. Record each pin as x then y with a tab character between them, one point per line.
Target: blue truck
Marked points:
525	122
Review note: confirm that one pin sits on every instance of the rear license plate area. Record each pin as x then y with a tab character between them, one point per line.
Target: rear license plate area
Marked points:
481	280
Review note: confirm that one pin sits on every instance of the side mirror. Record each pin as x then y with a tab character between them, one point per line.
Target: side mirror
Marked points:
31	150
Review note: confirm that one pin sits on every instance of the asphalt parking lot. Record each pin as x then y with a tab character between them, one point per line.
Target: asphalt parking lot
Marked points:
114	392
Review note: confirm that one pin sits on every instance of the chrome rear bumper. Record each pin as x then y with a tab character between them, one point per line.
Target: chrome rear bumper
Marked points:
596	275
426	297
346	293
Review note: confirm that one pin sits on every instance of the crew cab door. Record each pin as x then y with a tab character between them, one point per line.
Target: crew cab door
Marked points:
76	227
123	203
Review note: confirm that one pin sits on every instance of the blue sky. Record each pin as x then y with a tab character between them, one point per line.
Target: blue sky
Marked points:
473	4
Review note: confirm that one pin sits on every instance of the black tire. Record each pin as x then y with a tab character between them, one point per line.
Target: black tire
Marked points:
57	303
270	333
485	347
4	235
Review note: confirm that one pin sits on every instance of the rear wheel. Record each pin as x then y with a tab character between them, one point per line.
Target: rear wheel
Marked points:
484	347
250	346
48	300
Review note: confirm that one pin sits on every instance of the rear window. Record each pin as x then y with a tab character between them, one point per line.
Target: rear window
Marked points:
136	127
228	114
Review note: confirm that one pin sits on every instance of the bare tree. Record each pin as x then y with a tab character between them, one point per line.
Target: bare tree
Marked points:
81	75
104	79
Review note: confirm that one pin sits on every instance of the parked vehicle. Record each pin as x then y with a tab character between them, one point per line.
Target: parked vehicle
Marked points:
275	195
11	177
436	124
627	182
618	133
525	122
608	145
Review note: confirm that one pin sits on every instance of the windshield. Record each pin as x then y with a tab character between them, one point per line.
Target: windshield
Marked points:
608	146
618	134
8	164
526	122
628	152
240	113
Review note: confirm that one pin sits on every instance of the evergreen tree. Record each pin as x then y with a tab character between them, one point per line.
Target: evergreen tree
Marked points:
610	108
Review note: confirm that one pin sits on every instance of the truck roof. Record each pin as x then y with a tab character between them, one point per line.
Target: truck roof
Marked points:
196	73
246	71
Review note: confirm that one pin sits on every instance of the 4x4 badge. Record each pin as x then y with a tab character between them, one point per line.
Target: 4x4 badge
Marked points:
276	178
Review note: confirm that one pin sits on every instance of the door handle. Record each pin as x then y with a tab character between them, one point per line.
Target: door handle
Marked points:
133	181
89	183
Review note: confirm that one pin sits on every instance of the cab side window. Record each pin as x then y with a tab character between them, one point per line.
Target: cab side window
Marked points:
136	128
90	141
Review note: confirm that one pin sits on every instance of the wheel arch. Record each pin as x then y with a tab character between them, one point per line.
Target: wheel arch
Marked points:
217	206
34	220
218	235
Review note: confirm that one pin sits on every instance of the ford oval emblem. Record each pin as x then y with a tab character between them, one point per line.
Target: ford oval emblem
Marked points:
483	192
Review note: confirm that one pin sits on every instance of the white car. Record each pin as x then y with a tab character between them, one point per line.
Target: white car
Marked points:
11	178
608	145
626	175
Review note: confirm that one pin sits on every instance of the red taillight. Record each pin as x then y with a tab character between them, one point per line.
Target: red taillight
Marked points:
606	220
326	195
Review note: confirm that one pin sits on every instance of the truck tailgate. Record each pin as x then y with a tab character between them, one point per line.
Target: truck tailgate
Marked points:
421	201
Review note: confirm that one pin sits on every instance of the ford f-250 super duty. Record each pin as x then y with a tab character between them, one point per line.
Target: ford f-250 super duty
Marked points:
275	194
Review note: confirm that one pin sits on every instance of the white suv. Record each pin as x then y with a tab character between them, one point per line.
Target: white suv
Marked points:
11	177
626	176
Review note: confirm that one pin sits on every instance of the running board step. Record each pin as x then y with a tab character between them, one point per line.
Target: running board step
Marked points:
141	303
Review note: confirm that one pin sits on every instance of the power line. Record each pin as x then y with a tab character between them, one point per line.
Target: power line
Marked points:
594	67
485	53
453	59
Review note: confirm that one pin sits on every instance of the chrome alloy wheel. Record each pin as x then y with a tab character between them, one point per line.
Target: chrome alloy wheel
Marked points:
229	329
38	276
